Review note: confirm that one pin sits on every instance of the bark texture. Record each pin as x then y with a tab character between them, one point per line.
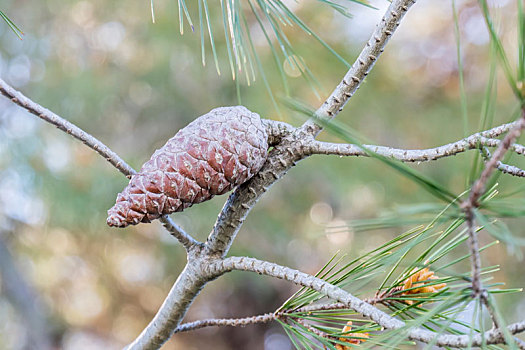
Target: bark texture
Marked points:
210	156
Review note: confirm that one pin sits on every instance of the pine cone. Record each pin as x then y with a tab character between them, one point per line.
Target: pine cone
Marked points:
418	284
210	156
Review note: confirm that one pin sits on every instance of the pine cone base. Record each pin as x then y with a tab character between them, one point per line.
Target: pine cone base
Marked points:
210	156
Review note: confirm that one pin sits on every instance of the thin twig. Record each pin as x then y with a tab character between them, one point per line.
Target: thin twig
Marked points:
311	329
475	260
221	322
265	318
511	170
320	307
43	113
504	168
478	188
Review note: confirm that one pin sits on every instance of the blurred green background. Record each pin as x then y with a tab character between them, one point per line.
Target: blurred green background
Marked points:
106	67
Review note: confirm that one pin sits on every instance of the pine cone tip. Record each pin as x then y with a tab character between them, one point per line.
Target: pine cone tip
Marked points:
115	219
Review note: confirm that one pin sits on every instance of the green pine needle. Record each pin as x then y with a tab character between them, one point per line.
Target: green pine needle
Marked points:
152	12
12	25
347	134
435	245
500	50
242	56
521	43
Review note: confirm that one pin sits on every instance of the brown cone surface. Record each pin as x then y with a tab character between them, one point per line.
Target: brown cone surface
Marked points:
213	154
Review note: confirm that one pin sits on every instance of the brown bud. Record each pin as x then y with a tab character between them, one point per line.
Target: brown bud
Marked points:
210	156
351	338
417	283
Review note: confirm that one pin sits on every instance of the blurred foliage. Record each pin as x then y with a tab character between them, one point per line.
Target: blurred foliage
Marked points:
131	83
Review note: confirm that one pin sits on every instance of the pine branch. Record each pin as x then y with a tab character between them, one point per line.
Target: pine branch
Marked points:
265	318
493	336
289	151
277	130
469	206
504	168
69	128
475	141
300	278
222	322
362	66
477	190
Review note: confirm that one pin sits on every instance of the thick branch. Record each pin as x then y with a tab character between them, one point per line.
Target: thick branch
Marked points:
364	63
243	199
43	113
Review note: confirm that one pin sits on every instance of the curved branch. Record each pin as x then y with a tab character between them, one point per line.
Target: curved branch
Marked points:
493	336
364	63
243	199
305	280
475	141
45	114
